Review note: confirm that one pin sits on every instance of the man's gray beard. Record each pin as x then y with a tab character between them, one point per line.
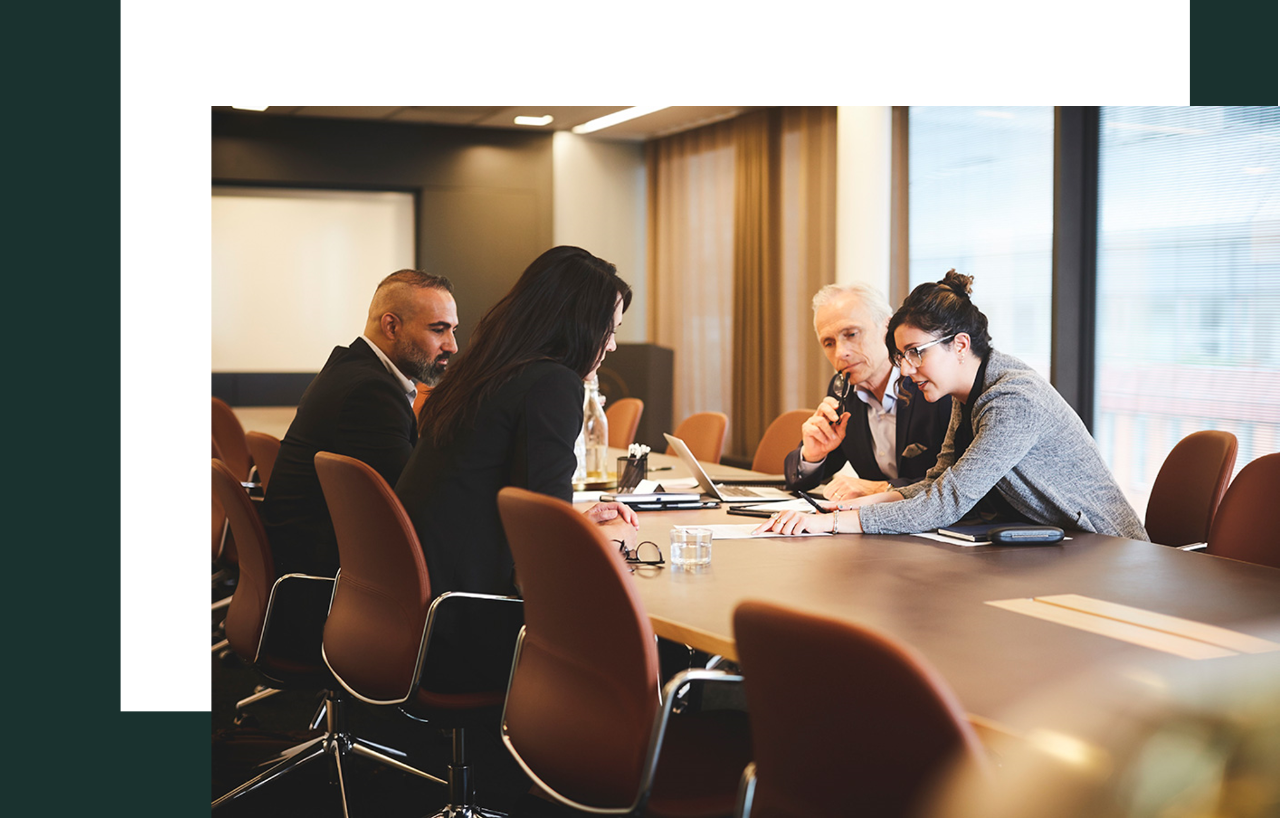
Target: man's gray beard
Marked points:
426	372
432	373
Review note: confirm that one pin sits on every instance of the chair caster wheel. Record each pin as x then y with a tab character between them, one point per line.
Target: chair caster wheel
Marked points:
245	720
228	658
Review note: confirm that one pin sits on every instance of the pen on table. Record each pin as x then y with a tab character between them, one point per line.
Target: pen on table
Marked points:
749	512
660	468
813	502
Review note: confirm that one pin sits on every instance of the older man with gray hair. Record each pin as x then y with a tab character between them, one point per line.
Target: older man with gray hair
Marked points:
872	418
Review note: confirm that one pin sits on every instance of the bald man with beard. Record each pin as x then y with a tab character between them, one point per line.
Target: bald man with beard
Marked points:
360	405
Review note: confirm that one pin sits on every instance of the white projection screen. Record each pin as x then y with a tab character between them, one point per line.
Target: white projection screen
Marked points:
293	271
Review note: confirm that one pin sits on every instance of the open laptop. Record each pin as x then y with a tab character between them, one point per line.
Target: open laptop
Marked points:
722	492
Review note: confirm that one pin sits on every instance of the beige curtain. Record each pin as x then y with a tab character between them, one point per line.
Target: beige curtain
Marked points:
746	209
690	258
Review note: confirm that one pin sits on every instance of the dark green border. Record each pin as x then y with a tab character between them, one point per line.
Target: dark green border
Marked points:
78	754
1233	52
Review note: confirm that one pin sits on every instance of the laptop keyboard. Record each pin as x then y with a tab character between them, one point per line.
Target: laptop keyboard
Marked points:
737	491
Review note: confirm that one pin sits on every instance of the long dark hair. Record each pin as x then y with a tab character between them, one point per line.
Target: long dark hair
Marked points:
561	309
942	308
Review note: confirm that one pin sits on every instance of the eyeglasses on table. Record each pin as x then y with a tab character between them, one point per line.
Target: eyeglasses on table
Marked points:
645	553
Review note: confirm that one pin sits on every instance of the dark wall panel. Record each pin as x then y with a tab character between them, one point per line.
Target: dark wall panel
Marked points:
261	388
509	220
644	371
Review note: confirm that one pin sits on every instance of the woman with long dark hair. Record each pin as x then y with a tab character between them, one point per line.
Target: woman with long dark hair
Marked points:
507	413
1015	450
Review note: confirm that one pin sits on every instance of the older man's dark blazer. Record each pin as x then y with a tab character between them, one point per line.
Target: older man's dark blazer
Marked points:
354	407
920	429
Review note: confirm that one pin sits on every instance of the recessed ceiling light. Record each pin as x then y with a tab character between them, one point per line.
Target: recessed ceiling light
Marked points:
251	107
620	116
534	120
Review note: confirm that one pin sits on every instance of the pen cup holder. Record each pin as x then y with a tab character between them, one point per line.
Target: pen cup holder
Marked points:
631	470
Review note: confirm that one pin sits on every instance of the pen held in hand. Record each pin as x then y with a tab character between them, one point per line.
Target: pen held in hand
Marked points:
813	502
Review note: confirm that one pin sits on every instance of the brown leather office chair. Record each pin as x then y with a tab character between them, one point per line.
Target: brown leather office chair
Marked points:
263	448
377	636
844	720
583	714
1247	525
1189	486
624	418
220	538
424	392
783	435
703	432
273	625
229	435
225	562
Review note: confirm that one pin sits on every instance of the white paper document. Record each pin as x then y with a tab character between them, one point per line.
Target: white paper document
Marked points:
679	483
743	532
780	505
929	535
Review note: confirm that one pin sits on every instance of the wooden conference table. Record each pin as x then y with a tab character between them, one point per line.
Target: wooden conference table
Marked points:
932	596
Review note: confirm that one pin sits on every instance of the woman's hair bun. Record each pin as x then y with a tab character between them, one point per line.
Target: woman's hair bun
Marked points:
957	283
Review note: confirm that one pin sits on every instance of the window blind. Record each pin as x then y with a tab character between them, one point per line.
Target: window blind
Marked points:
1188	284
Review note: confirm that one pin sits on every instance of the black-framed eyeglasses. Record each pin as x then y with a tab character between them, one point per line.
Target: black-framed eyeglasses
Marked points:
915	355
645	553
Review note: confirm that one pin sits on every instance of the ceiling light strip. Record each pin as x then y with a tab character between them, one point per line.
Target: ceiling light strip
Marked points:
617	117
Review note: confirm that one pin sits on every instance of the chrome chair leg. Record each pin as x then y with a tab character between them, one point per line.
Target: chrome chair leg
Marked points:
746	791
336	743
342	785
462	793
294	757
258	695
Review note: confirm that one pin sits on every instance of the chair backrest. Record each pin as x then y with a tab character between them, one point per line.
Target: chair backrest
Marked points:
703	432
1189	486
229	434
263	448
423	393
248	611
1247	525
624	418
219	515
582	698
373	635
779	439
843	720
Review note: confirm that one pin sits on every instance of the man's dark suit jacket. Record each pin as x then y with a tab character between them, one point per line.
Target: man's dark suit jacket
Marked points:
920	429
354	407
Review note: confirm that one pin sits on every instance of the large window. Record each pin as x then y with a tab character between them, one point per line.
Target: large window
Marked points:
1188	284
981	201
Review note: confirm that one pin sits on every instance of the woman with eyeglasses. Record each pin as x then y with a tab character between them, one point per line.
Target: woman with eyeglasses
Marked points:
507	413
1014	452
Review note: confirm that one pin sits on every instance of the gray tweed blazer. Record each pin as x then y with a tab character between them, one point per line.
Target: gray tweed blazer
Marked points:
1032	447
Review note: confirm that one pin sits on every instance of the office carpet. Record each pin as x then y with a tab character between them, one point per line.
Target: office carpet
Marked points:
372	789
